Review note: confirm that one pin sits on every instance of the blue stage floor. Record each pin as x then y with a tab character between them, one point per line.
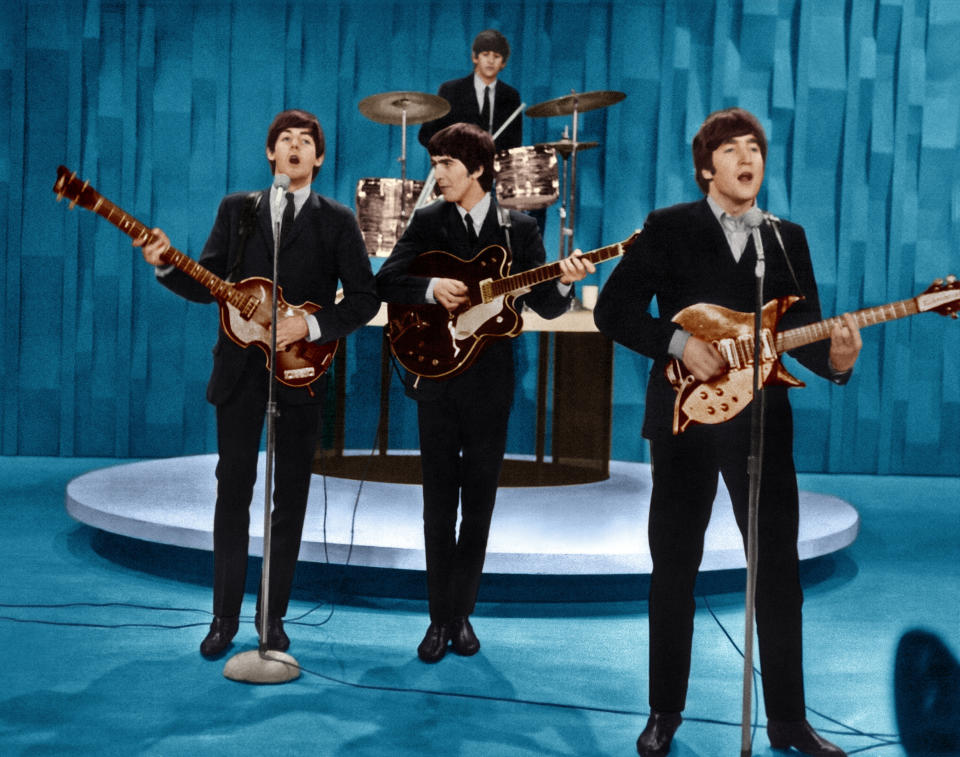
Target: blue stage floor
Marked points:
102	634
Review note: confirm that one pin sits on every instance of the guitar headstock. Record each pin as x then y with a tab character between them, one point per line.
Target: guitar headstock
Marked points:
942	296
77	191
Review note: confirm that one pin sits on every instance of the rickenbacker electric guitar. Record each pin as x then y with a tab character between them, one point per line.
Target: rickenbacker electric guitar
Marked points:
431	342
731	332
245	306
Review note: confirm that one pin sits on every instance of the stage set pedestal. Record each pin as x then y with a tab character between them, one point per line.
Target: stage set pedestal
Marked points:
572	512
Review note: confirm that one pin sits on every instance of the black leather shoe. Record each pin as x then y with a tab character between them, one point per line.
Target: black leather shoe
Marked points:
276	637
462	637
434	644
800	735
654	740
221	633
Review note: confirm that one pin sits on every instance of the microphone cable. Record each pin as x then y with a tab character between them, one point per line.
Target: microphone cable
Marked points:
883	739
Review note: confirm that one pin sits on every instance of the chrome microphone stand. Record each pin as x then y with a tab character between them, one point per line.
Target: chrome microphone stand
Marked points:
263	665
753	218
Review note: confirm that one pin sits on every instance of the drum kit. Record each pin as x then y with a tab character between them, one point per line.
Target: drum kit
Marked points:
527	177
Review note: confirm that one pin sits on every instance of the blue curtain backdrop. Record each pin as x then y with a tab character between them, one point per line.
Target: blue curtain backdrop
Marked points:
163	105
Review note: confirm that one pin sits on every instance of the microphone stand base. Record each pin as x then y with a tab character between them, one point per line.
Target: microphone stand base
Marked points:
269	666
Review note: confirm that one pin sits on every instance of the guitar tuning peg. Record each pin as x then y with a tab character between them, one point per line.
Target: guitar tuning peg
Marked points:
938	282
951	279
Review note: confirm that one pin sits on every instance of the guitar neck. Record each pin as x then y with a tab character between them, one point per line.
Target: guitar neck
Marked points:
520	281
222	290
815	332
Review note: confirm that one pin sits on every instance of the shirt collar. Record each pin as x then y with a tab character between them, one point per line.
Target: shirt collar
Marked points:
479	84
478	212
719	213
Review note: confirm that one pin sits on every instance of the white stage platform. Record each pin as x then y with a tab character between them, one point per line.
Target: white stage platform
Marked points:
583	529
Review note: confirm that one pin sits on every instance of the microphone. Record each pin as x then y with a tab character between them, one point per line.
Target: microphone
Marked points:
281	182
753	218
769	217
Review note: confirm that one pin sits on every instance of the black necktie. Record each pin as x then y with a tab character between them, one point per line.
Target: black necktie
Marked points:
286	225
471	232
485	110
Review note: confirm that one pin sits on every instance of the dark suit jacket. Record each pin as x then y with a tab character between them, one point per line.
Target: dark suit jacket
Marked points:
463	107
682	258
324	246
439	227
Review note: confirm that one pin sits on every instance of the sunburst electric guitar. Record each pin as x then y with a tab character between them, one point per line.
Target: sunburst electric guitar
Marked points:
431	342
731	332
245	306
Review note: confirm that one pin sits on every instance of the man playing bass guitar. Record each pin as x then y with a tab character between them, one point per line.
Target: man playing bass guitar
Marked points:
463	416
320	244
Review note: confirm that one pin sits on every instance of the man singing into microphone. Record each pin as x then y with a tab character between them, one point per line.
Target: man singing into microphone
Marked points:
320	244
702	252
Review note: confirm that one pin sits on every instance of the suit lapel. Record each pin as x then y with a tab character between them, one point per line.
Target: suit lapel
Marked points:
265	222
489	231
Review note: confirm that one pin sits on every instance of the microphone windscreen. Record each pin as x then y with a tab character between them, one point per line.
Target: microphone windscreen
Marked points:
753	218
281	180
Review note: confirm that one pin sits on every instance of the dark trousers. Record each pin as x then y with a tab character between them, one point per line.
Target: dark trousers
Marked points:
685	479
239	428
463	436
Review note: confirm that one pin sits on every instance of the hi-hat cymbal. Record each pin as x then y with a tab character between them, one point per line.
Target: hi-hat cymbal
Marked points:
389	107
583	101
565	146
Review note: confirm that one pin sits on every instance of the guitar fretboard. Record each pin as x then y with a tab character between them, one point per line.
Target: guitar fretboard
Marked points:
815	332
222	291
526	279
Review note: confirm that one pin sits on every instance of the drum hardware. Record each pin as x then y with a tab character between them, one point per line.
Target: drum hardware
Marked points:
572	104
526	177
400	109
566	146
381	206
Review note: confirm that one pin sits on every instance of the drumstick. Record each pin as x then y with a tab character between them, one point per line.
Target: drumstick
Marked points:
506	123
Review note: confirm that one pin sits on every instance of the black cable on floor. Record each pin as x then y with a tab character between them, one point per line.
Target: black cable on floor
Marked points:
884	738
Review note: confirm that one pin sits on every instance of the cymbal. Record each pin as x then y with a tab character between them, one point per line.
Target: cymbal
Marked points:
584	101
388	107
565	146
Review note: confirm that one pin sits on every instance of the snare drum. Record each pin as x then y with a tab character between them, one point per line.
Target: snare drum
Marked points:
527	177
384	207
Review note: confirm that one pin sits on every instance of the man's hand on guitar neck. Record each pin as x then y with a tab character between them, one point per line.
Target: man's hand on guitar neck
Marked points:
153	247
845	344
575	268
702	360
450	293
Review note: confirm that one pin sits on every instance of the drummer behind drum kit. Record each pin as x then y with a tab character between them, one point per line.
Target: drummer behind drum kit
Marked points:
527	178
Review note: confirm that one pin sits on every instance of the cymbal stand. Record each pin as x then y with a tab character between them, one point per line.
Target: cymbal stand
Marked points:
402	221
568	203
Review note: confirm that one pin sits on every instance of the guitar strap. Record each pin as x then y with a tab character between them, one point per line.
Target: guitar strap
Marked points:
248	222
504	215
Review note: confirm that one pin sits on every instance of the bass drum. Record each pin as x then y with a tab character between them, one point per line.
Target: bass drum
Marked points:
384	207
527	177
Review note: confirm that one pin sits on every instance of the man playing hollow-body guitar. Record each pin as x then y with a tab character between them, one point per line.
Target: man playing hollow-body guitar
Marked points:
463	419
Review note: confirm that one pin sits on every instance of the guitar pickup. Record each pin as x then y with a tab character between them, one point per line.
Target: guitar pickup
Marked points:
486	291
292	374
